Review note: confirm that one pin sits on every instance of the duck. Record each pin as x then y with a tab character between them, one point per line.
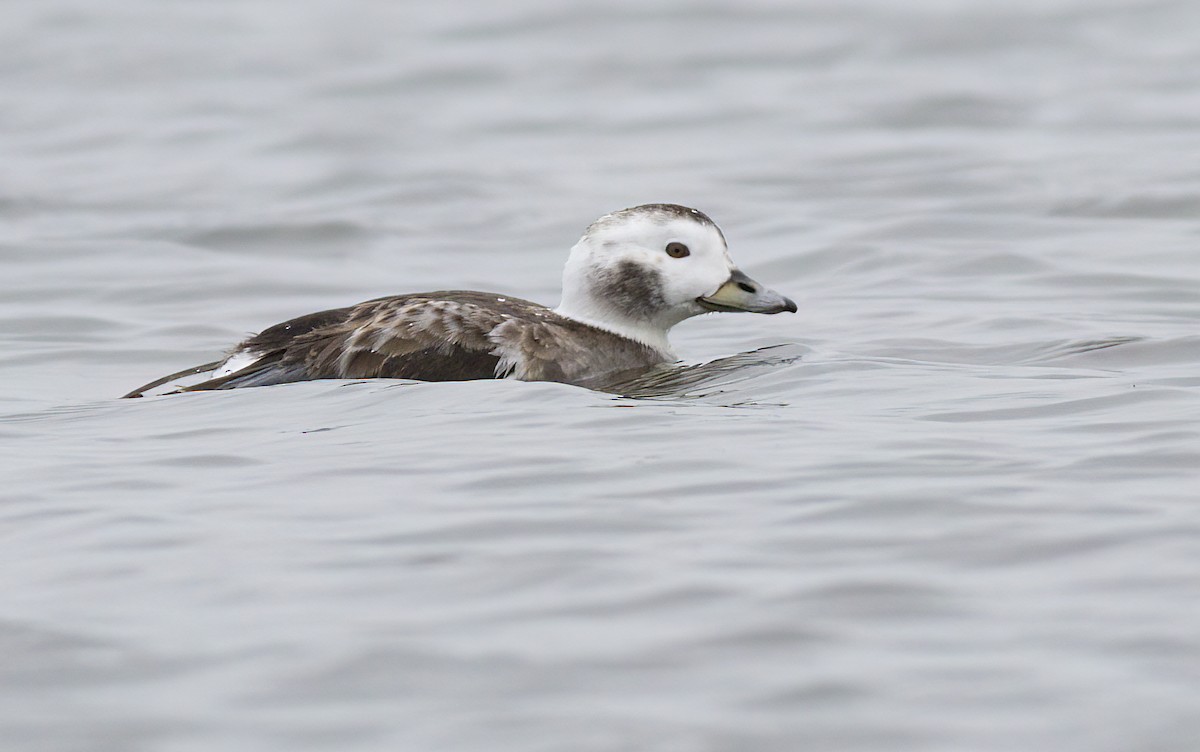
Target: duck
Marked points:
632	276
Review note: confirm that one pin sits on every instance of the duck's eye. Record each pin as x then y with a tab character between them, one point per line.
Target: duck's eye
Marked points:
677	250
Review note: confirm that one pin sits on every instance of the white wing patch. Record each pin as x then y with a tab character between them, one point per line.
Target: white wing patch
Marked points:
236	362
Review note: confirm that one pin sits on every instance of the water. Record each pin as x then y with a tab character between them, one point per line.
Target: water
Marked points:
952	507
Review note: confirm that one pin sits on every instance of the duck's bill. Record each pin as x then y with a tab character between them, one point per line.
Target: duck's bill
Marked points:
740	293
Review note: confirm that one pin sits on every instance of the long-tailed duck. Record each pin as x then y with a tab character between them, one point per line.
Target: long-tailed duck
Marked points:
633	275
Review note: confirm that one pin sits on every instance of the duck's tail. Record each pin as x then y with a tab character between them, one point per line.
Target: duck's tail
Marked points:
141	390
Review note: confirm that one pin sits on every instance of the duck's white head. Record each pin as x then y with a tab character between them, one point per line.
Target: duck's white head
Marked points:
640	271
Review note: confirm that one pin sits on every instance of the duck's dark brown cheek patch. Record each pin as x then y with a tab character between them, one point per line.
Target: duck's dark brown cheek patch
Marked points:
632	288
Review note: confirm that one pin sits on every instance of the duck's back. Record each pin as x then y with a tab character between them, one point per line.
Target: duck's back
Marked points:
440	336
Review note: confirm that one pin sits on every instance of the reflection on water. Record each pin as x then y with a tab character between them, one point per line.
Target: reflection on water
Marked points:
1052	352
704	379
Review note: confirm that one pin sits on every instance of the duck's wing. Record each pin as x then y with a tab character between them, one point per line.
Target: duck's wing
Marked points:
442	336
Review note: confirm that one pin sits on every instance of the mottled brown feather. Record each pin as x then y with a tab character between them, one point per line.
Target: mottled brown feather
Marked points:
440	336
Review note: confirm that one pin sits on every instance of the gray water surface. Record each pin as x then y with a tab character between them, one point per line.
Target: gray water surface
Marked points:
950	505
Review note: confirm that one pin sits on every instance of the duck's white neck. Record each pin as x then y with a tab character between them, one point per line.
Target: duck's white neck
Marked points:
639	331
